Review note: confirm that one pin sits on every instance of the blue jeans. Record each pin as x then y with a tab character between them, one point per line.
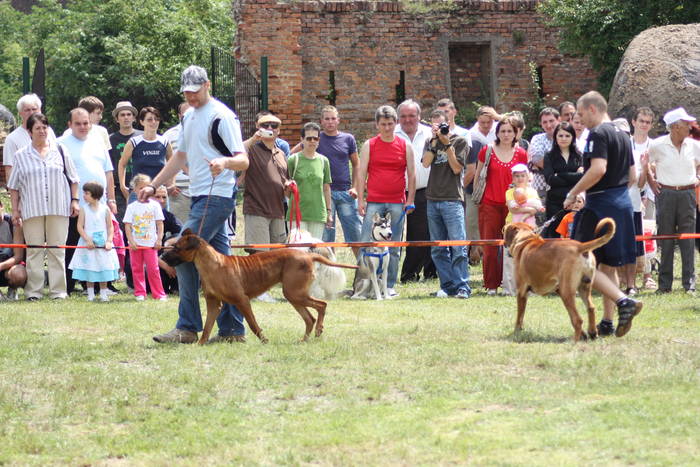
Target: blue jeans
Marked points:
397	218
346	207
446	222
230	320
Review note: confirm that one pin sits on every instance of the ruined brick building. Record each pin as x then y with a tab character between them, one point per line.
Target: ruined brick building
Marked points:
361	54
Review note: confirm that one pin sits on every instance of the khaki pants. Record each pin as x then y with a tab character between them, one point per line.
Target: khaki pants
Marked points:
260	229
51	230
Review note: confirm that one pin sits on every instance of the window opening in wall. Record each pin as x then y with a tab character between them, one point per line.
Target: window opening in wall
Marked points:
332	94
401	88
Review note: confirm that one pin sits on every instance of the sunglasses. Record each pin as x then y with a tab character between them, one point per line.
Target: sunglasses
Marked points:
311	138
270	125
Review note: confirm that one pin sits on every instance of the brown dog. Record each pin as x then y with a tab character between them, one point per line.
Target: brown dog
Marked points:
238	279
564	266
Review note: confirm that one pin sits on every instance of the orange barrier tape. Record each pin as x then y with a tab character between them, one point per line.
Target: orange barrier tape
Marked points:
258	246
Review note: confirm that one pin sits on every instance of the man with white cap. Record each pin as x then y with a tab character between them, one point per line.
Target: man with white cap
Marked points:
211	146
674	163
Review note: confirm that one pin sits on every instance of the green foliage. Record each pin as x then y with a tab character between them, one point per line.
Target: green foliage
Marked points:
531	109
602	29
113	49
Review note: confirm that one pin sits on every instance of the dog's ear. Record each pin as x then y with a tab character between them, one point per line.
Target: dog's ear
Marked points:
192	242
187	231
376	218
388	218
509	233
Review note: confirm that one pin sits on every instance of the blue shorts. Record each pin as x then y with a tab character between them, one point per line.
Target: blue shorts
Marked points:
615	203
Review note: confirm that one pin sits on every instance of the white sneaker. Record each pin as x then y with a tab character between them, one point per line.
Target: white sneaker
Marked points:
104	298
91	299
266	298
441	294
111	292
140	298
491	292
391	292
163	299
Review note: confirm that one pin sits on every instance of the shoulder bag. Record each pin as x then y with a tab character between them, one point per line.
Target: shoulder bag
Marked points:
480	182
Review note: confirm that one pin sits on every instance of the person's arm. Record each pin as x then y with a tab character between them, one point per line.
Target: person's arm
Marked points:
590	178
172	167
81	230
355	162
168	156
110	230
159	235
130	236
121	168
361	180
452	160
644	161
16	210
428	157
327	197
411	175
469	172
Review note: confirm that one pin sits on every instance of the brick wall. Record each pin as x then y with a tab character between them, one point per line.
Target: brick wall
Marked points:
366	44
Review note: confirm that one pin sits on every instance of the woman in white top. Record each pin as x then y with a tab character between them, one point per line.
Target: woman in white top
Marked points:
44	191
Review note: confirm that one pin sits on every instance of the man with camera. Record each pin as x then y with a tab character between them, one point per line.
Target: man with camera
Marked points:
445	153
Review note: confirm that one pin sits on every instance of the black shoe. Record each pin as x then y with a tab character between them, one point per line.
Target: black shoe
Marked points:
112	287
605	329
662	291
627	309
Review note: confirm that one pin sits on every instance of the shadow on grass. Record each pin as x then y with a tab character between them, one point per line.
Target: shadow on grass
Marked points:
528	337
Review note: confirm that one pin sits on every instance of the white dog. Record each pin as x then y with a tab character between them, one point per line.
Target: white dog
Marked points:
373	263
328	281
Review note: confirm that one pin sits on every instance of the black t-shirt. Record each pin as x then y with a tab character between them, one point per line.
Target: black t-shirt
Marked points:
118	141
608	142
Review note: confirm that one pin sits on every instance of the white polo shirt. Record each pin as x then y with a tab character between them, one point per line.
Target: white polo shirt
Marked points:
423	133
675	168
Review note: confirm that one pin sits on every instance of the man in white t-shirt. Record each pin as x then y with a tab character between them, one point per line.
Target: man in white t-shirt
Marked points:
418	259
675	173
94	108
484	130
27	105
212	180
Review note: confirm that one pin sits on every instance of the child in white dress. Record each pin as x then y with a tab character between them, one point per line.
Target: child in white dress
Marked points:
98	262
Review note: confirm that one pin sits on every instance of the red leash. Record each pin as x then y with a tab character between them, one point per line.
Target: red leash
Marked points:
295	209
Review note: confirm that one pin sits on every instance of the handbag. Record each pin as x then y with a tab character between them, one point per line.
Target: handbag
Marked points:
480	182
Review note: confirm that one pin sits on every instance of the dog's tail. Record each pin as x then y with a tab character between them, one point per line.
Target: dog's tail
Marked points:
322	259
607	224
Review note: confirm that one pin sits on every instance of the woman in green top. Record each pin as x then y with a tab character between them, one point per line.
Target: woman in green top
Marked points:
312	173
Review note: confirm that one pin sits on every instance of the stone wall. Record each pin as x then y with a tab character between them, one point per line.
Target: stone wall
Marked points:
467	49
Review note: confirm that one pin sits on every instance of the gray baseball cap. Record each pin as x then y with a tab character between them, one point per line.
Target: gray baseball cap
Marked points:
193	78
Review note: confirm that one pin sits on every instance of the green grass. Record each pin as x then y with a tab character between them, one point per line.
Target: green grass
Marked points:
412	381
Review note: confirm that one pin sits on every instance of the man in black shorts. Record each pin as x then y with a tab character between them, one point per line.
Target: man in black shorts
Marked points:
608	168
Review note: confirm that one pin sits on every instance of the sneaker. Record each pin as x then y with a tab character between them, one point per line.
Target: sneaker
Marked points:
91	299
229	339
605	329
104	299
391	292
111	292
662	291
12	294
32	299
690	292
266	298
441	294
631	292
649	283
140	298
176	336
626	311
462	294
163	299
490	291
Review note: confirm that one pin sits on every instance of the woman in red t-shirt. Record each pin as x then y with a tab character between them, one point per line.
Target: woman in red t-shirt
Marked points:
493	210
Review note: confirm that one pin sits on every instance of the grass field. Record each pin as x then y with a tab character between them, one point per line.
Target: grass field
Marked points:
412	381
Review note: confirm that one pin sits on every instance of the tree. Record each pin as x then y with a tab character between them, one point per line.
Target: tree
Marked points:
113	49
602	29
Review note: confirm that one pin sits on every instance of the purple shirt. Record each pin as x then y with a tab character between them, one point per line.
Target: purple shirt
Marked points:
338	149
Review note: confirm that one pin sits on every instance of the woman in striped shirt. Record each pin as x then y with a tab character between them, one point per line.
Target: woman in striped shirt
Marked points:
44	192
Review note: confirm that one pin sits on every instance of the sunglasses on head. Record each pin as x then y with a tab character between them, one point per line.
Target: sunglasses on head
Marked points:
270	125
311	138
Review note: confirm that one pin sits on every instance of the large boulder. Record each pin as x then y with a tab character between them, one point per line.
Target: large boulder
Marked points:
661	70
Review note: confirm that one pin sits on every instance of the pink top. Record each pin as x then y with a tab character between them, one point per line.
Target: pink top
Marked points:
386	171
499	177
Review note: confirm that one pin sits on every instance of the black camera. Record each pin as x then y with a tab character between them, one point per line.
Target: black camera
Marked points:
444	128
